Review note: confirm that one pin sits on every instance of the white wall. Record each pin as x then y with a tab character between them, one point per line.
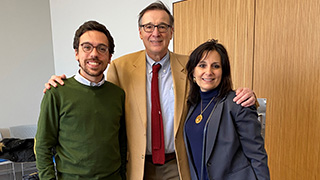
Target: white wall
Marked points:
36	42
119	16
26	59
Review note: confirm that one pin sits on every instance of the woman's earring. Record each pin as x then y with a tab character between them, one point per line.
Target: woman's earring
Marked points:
194	79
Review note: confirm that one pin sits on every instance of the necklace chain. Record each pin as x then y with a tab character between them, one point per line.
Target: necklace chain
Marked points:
199	117
207	105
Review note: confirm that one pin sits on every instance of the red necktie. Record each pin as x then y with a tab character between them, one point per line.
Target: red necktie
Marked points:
158	156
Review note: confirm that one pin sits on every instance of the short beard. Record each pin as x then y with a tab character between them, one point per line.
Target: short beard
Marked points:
88	72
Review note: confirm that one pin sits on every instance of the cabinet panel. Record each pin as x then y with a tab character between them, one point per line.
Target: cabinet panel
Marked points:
287	52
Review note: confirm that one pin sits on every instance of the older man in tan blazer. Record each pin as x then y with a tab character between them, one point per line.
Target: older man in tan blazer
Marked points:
129	73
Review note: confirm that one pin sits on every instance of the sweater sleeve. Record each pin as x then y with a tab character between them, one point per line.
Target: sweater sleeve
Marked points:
46	136
249	130
123	145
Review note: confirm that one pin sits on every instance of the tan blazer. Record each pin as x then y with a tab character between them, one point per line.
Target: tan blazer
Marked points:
129	73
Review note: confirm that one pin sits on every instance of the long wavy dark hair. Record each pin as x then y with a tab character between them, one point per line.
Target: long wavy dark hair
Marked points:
201	52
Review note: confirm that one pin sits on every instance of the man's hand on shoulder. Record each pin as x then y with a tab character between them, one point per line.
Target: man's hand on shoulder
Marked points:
245	97
53	82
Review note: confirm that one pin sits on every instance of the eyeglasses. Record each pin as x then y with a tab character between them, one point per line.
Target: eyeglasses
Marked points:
88	48
149	28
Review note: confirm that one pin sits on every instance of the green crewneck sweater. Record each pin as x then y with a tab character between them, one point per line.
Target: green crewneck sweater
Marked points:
86	127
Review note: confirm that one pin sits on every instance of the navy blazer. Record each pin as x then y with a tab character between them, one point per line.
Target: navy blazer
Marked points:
233	148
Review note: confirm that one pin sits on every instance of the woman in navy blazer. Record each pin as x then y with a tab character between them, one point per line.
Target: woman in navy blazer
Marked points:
223	139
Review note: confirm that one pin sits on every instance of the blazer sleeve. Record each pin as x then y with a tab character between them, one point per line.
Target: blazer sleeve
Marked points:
249	130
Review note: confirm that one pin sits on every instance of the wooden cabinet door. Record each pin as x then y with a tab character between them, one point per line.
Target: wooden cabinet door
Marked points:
286	72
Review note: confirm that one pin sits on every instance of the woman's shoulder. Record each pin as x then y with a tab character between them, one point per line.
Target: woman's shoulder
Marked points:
229	96
228	100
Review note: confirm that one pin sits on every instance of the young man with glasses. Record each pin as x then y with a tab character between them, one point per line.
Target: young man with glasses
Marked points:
84	119
133	73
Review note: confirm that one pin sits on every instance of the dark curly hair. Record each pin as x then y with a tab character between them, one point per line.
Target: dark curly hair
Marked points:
93	26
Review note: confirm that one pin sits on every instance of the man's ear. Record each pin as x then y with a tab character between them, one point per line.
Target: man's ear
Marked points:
140	33
76	53
172	31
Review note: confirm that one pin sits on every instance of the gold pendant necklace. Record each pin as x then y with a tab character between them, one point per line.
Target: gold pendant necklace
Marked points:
199	117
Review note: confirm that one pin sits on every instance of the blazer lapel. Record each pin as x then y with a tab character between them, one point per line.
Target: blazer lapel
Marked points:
138	87
213	130
179	76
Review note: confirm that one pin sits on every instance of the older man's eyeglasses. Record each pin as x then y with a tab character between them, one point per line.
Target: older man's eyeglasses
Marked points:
88	48
149	28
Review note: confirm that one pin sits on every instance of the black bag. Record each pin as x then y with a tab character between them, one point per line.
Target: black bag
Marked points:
17	150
